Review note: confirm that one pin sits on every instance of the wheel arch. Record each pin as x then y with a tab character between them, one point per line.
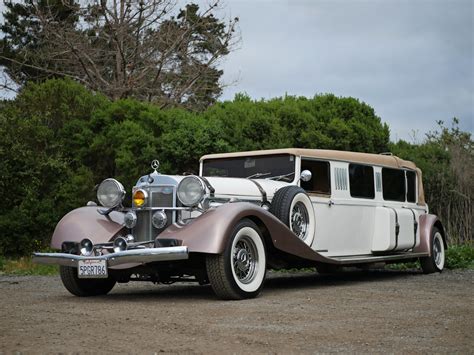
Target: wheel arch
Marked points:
426	225
86	222
210	232
441	229
263	229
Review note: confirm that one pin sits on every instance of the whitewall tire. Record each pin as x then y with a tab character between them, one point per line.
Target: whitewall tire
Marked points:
240	271
292	206
434	262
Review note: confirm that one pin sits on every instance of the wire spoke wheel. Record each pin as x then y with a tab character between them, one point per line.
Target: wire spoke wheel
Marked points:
300	220
245	259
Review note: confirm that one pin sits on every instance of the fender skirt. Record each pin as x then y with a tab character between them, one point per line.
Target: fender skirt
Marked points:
209	232
86	222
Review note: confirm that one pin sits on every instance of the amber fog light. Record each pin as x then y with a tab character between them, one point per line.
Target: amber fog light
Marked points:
139	197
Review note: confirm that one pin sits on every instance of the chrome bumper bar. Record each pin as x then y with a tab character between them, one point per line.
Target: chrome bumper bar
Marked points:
140	256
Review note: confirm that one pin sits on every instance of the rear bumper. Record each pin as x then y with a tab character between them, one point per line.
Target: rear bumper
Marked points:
140	256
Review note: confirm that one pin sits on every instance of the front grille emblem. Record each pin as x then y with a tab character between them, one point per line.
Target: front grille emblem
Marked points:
155	164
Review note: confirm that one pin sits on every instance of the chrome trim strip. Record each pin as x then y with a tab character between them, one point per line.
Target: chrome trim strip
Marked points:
359	259
141	256
335	202
162	208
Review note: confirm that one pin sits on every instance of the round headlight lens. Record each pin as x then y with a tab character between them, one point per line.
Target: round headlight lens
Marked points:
191	191
110	193
139	198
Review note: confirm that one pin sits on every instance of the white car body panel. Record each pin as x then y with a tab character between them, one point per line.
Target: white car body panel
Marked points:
244	189
345	226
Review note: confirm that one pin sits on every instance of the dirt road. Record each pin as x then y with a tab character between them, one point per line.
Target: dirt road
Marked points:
374	311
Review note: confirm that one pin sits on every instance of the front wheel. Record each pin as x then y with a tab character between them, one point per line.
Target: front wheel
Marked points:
239	272
84	287
434	262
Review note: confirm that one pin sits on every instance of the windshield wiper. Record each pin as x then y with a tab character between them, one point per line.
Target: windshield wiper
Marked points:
257	175
279	177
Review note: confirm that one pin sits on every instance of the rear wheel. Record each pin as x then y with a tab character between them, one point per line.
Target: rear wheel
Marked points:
239	272
84	287
435	262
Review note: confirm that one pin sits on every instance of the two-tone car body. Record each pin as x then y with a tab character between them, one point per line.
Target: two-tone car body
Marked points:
246	212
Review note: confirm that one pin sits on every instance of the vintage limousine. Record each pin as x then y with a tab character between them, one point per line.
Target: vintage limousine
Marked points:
247	212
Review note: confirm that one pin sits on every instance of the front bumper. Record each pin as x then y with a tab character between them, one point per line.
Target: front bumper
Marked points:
141	256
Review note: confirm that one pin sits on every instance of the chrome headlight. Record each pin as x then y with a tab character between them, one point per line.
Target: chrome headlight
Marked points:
191	191
159	219
130	219
110	193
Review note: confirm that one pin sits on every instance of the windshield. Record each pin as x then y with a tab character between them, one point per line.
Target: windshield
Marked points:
281	166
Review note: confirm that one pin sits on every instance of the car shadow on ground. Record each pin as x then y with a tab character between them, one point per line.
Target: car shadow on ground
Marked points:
279	281
276	282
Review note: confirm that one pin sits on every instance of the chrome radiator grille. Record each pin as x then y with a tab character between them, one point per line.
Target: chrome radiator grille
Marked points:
159	196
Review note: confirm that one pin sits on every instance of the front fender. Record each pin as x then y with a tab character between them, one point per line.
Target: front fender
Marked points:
86	222
209	232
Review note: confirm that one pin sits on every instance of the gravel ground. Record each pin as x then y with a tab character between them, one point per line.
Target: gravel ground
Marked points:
373	311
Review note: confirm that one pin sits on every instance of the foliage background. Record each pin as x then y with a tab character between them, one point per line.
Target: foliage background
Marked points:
58	140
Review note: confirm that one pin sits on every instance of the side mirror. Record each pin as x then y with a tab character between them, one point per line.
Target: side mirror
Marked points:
306	175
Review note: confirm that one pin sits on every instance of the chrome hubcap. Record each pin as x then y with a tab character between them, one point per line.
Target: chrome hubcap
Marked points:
299	220
245	259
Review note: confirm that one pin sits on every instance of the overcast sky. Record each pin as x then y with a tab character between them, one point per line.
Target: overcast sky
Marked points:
411	60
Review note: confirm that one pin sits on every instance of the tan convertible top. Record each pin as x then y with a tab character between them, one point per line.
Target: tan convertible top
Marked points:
390	161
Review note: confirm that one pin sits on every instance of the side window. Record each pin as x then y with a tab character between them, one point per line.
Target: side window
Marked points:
411	186
320	181
361	181
393	184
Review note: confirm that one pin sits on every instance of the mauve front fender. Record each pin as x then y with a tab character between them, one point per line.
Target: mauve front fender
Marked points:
209	232
86	222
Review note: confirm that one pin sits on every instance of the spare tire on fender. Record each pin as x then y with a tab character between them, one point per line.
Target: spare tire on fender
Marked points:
292	206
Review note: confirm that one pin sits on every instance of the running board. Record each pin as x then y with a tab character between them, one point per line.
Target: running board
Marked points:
362	259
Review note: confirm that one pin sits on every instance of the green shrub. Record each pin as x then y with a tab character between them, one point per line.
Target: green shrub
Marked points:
25	266
460	257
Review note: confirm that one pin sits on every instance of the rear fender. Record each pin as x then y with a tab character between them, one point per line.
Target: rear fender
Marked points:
210	232
427	223
86	222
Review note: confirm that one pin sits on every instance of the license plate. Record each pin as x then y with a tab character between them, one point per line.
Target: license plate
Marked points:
92	269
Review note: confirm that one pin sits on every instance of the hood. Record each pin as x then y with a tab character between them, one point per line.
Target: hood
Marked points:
225	187
244	188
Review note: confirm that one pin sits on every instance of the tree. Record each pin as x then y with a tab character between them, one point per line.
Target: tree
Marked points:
142	49
21	43
446	158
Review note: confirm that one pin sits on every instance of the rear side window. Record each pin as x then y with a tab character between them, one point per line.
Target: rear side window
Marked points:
411	186
320	178
361	181
393	184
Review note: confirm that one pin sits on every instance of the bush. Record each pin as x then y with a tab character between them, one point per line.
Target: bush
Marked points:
460	257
